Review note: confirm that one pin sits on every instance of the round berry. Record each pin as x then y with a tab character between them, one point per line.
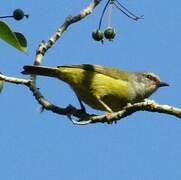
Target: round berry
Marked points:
97	35
109	33
18	14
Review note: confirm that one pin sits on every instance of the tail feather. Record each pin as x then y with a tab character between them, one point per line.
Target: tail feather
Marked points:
40	70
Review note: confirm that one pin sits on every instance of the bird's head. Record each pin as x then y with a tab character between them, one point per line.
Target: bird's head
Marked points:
146	83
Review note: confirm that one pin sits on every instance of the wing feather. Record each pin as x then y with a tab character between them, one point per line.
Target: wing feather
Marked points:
108	71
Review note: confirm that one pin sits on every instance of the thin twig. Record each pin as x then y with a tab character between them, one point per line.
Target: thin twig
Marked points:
14	80
103	12
127	13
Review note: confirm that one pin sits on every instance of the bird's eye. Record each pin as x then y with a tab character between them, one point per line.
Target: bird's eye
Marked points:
149	76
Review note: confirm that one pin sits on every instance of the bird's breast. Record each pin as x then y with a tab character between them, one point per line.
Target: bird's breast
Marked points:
92	87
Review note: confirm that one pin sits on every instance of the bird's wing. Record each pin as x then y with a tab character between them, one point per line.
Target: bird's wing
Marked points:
108	71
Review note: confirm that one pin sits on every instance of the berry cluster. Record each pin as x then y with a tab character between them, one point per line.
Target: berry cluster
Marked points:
109	34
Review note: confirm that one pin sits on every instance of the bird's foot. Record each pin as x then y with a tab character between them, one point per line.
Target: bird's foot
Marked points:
151	104
109	118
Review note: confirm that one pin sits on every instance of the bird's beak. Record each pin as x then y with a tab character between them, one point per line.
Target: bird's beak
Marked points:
163	84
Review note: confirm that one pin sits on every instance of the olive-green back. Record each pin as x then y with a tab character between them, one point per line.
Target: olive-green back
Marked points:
108	71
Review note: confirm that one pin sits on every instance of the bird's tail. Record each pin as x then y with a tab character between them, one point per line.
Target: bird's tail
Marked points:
40	70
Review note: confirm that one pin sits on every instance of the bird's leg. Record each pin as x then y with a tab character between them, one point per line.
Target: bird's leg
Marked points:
81	105
108	109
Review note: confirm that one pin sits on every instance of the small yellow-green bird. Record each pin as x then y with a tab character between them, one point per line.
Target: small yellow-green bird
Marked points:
103	88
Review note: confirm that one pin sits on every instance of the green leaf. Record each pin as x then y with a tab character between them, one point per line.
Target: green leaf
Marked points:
22	40
15	39
1	84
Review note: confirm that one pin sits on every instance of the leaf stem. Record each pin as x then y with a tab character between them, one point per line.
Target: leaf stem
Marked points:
100	22
125	11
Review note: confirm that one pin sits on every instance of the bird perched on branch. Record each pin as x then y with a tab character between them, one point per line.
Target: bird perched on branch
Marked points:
103	88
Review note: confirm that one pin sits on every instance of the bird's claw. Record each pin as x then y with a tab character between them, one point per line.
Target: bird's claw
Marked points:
109	119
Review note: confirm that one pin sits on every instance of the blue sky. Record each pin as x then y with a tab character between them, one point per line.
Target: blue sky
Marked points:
46	146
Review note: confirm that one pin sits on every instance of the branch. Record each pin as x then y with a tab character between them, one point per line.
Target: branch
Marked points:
45	46
147	105
15	80
69	110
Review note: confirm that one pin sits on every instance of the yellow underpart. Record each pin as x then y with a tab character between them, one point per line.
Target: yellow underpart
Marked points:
92	86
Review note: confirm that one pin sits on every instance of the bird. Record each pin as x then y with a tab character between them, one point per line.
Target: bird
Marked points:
102	88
